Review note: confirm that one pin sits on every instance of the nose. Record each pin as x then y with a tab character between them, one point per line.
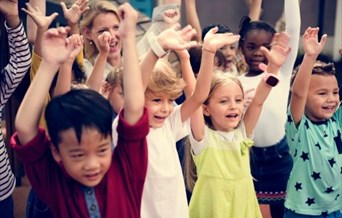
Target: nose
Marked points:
91	163
165	107
258	52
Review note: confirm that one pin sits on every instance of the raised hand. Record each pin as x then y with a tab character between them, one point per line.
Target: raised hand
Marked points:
311	45
42	21
170	17
174	39
76	43
104	41
73	14
213	40
128	16
9	8
279	51
56	48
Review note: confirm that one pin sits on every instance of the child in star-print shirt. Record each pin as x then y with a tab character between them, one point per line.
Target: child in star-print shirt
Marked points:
313	131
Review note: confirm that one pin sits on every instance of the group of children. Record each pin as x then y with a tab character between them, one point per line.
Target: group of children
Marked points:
109	149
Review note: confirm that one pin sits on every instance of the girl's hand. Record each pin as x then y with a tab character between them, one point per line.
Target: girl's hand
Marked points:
183	54
56	48
213	40
43	22
279	51
76	43
170	17
128	16
73	14
311	45
174	39
104	41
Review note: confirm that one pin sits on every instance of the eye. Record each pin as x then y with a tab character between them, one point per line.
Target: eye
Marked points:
116	27
157	100
250	47
223	101
239	100
103	151
77	156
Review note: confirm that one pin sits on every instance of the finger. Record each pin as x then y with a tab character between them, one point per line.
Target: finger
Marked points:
177	26
249	90
265	51
53	16
323	40
263	67
27	12
64	8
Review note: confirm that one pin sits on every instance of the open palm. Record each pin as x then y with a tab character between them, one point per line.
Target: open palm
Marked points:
311	45
38	17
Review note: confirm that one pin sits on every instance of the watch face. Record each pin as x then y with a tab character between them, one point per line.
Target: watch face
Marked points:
272	81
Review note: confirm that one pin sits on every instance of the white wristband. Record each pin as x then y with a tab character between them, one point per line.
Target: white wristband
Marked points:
155	46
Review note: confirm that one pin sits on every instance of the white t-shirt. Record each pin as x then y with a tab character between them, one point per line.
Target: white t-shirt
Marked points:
164	190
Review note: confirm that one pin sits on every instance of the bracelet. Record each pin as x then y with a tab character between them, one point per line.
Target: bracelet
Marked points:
207	50
155	46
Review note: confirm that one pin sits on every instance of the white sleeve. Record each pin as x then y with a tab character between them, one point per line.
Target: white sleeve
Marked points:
293	22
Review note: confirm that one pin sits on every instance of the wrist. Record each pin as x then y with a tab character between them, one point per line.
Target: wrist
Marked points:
204	49
157	47
270	79
12	21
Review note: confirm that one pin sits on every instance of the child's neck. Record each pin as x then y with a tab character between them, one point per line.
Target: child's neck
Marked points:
252	73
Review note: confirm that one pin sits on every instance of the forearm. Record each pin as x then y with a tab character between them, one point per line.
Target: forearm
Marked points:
255	10
188	76
96	77
134	92
30	110
31	25
147	65
63	84
192	18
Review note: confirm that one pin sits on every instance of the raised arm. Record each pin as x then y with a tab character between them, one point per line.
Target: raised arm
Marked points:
192	18
255	10
276	58
30	23
312	48
293	22
20	56
169	39
212	42
56	48
134	91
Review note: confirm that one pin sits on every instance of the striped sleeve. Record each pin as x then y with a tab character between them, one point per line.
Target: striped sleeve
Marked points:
19	62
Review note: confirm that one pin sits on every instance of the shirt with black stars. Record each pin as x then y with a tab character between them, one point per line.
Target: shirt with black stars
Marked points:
315	183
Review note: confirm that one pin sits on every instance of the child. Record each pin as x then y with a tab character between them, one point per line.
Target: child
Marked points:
112	90
271	161
10	78
221	149
313	131
76	173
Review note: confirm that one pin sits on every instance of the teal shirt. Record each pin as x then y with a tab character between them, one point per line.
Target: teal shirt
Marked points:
315	183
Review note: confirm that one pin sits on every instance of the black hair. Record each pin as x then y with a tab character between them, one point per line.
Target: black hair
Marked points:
79	73
247	25
221	29
78	109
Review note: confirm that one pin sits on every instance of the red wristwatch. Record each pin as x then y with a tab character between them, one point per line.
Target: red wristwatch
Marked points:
271	79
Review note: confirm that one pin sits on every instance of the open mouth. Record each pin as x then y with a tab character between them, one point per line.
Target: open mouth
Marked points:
92	176
113	45
232	116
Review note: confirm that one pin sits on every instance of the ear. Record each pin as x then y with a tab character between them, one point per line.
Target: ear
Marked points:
55	154
106	89
206	111
87	34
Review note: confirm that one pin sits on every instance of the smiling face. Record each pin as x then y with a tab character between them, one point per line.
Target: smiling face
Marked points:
86	161
251	49
323	97
159	106
225	106
229	51
106	21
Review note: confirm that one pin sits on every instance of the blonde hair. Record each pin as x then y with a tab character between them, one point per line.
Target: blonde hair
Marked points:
164	80
115	77
95	8
190	173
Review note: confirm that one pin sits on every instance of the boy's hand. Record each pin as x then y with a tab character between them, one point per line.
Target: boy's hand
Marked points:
311	45
56	48
43	22
278	53
128	16
9	8
213	40
73	14
173	39
104	41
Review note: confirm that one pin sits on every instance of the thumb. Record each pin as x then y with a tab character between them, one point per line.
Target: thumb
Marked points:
323	40
263	67
53	16
64	8
265	51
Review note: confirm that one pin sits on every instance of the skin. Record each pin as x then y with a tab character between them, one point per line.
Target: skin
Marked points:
159	106
88	161
107	23
251	50
225	107
323	97
229	52
116	98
